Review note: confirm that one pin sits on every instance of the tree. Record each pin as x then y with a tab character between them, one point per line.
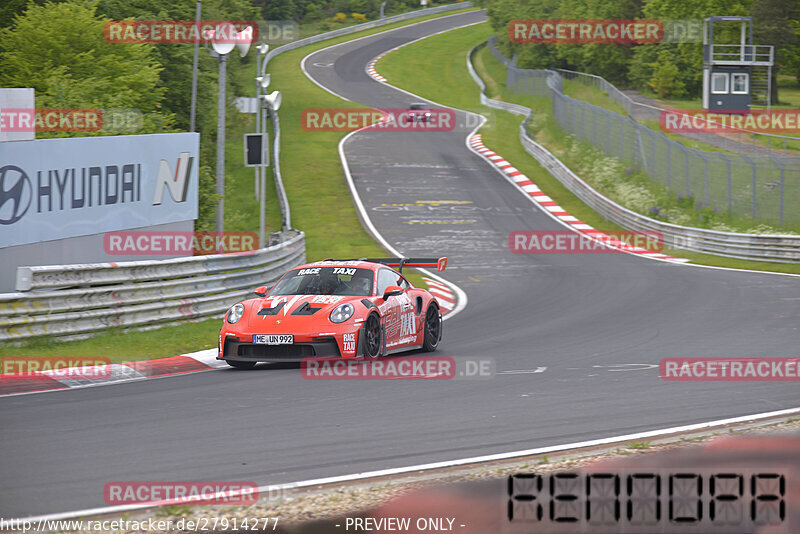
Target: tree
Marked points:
609	60
176	77
529	55
59	50
279	9
686	57
777	23
666	80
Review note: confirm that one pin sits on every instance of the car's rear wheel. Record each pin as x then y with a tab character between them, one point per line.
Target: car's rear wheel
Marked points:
241	365
433	328
372	340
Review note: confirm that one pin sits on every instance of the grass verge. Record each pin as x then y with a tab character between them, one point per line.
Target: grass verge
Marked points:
318	195
419	67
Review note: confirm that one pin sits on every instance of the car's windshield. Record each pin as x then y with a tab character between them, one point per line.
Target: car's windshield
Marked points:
418	106
326	281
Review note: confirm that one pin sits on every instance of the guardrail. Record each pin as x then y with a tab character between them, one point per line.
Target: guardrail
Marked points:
773	248
283	202
61	300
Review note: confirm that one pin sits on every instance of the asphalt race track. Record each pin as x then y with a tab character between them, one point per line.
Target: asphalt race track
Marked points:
599	323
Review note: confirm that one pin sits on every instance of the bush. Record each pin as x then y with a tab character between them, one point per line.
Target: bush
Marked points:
358	17
339	17
666	81
313	12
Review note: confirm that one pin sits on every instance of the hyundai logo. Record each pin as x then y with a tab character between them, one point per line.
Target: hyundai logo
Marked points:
15	194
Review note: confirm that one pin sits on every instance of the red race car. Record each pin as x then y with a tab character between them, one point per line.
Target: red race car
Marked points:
351	308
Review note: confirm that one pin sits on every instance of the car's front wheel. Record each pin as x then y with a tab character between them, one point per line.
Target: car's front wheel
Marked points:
241	365
433	328
372	339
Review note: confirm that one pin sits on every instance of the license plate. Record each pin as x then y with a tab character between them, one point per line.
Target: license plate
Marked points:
273	339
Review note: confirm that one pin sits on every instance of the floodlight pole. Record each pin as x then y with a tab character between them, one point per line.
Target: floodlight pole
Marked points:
261	172
193	107
221	144
261	127
262	216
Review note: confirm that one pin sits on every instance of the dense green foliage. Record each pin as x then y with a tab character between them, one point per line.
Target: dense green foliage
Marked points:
673	69
58	48
312	10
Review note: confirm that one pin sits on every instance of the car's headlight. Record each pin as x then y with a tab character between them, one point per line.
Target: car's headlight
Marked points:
235	313
342	312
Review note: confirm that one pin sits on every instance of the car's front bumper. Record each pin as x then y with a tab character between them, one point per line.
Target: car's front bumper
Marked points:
241	348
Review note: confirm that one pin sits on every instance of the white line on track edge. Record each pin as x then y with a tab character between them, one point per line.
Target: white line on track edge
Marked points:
445	464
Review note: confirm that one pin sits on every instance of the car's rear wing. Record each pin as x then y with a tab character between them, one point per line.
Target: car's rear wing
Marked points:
399	263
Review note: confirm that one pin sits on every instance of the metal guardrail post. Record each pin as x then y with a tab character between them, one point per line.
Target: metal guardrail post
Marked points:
706	200
669	166
686	167
782	167
730	183
753	186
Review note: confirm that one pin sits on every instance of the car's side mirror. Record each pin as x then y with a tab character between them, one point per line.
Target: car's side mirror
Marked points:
261	291
392	291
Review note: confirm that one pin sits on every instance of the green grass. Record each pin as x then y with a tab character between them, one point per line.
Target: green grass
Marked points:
122	346
789	91
419	67
320	202
593	95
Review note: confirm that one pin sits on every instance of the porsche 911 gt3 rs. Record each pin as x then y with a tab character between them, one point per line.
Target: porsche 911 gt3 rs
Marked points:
334	309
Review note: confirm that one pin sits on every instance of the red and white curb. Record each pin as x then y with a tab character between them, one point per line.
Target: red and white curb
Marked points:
371	68
98	375
444	295
548	204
